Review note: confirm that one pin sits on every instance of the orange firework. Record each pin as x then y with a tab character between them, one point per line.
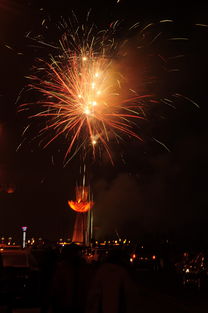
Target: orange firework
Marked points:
82	94
86	87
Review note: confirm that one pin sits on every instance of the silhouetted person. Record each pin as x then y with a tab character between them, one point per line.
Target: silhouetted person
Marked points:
70	282
47	267
113	290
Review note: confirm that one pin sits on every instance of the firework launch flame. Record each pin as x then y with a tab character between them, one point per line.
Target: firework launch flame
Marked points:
82	203
80	207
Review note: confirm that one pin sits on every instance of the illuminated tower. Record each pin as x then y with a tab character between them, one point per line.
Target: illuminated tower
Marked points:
24	229
83	223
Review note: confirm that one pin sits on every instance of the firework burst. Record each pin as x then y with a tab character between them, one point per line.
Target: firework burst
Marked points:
83	95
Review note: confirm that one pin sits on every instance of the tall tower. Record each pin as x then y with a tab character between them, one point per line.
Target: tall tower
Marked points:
83	221
24	230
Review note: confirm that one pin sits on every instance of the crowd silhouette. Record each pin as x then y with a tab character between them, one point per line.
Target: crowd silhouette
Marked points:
70	284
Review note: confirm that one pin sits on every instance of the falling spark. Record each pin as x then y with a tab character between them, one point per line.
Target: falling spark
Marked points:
161	143
187	98
202	25
178	38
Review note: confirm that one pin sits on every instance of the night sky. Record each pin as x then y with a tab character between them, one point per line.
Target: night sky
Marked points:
157	187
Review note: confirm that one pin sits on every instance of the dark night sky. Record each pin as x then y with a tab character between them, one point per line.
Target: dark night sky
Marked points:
155	192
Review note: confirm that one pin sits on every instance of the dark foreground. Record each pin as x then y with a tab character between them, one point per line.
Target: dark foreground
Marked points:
161	290
157	294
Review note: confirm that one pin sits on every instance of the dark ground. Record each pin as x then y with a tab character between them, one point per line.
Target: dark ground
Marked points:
164	293
158	292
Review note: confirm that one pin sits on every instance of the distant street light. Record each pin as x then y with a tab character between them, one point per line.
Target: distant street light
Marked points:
24	230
